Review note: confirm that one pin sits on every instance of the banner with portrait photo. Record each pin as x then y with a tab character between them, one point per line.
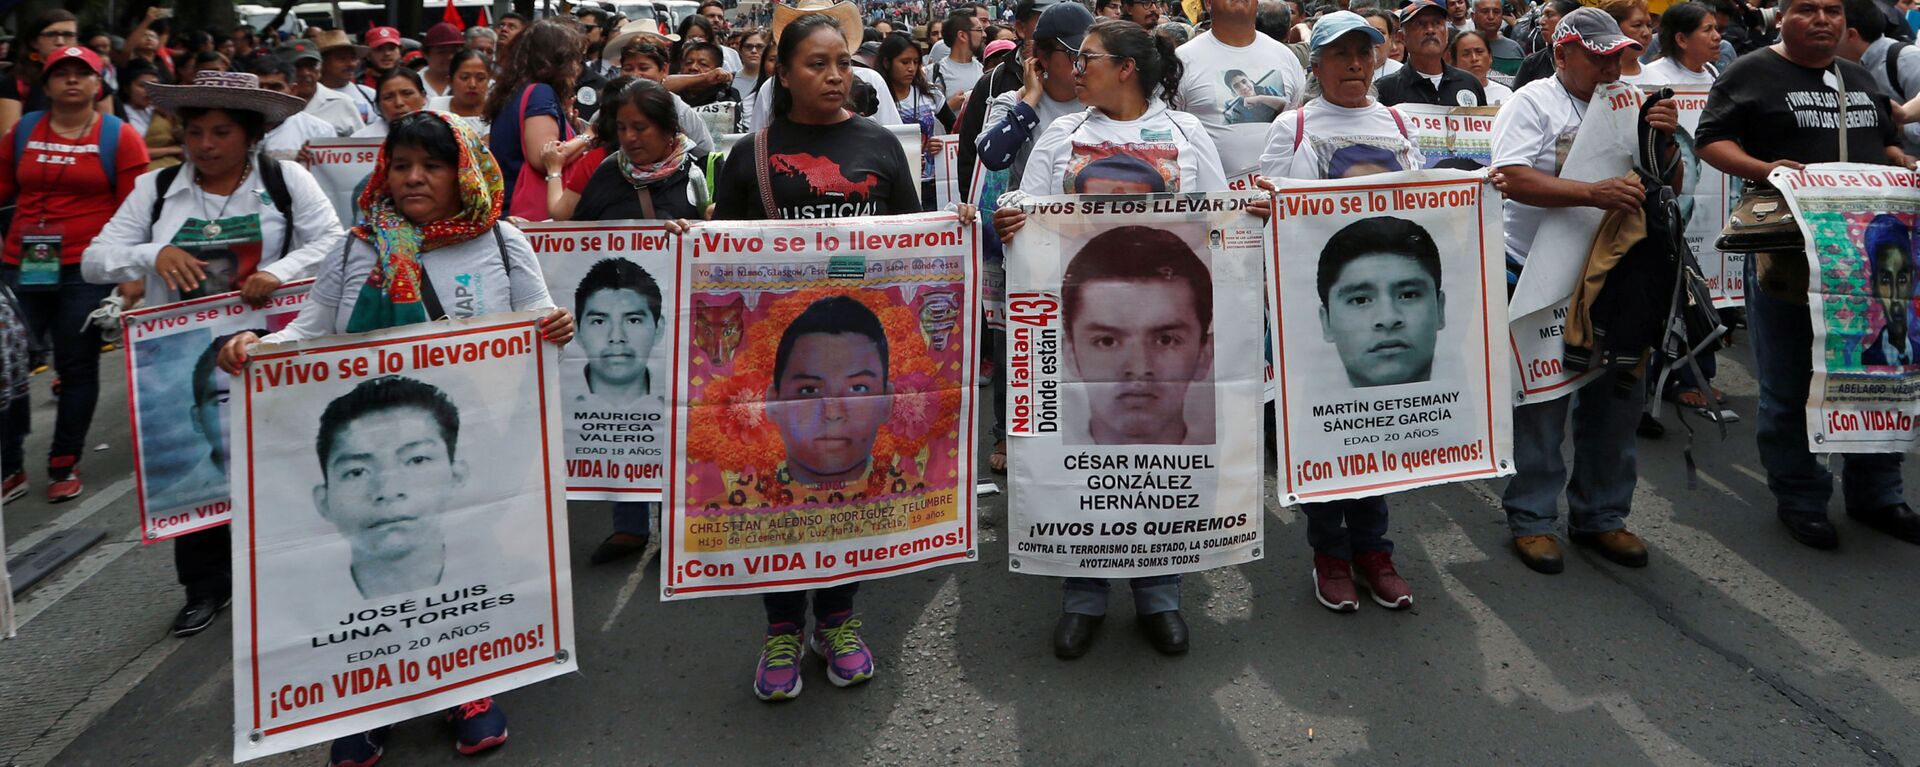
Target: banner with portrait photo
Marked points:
1134	381
615	277
399	528
823	419
177	403
1451	138
1860	223
342	166
1390	334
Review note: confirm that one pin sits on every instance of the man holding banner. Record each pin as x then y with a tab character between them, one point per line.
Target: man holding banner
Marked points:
1529	139
1772	109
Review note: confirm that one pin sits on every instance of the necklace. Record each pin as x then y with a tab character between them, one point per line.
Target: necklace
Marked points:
212	227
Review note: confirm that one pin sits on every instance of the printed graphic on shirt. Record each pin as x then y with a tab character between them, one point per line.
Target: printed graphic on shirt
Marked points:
1252	97
469	297
825	178
1108	168
1350	156
230	248
1817	109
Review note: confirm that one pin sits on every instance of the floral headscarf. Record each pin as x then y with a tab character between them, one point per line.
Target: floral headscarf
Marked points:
392	295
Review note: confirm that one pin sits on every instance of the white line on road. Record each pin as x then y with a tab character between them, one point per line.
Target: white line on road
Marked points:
71	577
78	514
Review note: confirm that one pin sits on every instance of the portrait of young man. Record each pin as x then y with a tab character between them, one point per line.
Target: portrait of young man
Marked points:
207	480
618	304
831	392
1889	246
1381	305
1138	308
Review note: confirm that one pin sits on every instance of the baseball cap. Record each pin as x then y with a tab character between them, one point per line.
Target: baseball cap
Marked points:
994	48
1025	8
1065	22
1415	7
1594	29
296	50
379	36
80	52
1338	24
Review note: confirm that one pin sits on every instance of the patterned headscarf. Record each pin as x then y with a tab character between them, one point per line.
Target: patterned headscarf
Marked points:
392	295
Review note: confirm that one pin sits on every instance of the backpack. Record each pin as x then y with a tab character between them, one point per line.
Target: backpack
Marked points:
109	142
271	176
1893	71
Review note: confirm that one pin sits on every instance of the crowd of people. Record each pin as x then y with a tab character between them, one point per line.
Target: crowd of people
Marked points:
166	164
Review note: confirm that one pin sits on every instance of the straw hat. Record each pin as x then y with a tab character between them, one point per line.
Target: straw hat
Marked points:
845	15
226	90
630	32
329	39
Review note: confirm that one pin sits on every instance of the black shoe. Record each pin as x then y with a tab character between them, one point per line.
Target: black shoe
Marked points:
198	615
1650	427
1898	520
1073	635
1167	631
1811	529
617	547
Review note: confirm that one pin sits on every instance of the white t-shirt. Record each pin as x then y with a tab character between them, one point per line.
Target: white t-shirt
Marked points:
1534	128
1162	151
1387	69
286	139
1341	142
1269	81
952	77
339	110
1497	94
762	113
372	130
445	104
1666	71
364	101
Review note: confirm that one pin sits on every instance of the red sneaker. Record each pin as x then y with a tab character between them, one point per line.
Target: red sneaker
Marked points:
63	480
1389	589
14	487
1333	583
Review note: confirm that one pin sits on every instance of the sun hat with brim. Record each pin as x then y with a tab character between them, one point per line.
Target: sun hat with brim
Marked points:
1338	24
226	90
630	33
443	34
79	53
1594	30
329	39
845	15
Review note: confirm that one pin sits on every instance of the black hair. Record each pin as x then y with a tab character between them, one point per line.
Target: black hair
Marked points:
543	53
702	46
382	395
831	316
209	357
1372	236
515	15
1863	16
892	48
464	55
690	22
711	3
1683	19
1453	42
1393	22
197	39
1137	254
1226	78
796	32
135	69
268	66
605	119
410	75
870	35
203	58
617	274
252	123
1563	7
1152	55
957	20
648	50
423	130
1273	19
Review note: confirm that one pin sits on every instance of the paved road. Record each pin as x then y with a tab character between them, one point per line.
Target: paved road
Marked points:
1736	646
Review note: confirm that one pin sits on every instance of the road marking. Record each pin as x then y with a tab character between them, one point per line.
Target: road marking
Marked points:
633	582
72	576
78	514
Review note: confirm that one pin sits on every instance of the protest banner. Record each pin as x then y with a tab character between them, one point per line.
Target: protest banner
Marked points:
1455	138
984	192
946	172
177	403
1390	331
6	581
1133	385
823	416
342	166
721	117
1705	198
1859	223
399	528
615	277
1602	148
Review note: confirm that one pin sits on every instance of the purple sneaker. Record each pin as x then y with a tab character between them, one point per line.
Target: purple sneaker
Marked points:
837	638
778	675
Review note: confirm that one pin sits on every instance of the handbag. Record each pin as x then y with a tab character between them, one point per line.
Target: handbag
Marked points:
530	186
1760	221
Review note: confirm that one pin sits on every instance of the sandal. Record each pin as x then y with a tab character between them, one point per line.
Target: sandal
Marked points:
998	460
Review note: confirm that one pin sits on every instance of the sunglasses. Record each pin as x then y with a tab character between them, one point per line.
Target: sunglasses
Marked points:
1080	60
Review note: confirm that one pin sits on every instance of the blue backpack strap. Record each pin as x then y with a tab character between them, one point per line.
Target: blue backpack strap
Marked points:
110	149
21	132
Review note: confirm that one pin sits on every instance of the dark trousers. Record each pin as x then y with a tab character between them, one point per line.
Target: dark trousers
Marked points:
1344	528
61	314
993	347
204	561
16	419
791	606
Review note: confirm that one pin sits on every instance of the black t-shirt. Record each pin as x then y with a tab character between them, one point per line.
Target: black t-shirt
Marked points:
31	96
1778	110
608	196
1534	67
1458	88
850	168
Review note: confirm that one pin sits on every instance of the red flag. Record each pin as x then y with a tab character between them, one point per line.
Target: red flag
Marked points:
452	16
483	22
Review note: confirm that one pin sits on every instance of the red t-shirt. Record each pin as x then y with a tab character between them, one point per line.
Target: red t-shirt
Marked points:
63	181
574	176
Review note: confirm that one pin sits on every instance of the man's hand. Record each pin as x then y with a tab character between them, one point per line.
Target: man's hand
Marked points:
1621	194
131	292
179	269
258	288
1007	221
1664	116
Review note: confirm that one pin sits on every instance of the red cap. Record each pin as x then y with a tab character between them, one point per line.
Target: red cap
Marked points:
379	36
80	52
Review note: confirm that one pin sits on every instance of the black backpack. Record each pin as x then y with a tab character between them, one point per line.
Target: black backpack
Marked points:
271	176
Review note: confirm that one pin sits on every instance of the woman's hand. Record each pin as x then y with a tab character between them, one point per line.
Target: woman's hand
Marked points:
179	269
1007	221
557	327
1262	207
131	292
932	146
258	288
305	157
1032	82
234	355
553	157
968	214
676	226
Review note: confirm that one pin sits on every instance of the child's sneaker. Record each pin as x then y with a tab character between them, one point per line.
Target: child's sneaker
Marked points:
778	675
477	726
837	638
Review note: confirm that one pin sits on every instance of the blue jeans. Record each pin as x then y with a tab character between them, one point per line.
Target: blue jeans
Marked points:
1341	528
62	313
633	517
1605	412
1782	336
1088	596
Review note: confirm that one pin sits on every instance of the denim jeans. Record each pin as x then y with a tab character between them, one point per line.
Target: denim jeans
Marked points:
1782	336
1605	413
633	517
61	313
1088	596
791	606
1341	528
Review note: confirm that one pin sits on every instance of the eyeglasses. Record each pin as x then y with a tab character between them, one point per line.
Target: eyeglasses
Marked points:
1080	60
751	47
52	35
1154	3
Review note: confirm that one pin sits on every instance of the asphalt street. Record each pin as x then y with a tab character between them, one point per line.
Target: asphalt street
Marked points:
1736	646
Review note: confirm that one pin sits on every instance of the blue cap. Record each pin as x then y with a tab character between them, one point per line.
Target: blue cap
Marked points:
1338	24
1065	22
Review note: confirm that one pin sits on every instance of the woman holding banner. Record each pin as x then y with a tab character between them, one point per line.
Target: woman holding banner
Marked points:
1315	142
400	93
1127	141
228	219
434	198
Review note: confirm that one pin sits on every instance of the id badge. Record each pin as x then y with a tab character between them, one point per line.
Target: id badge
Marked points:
40	256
